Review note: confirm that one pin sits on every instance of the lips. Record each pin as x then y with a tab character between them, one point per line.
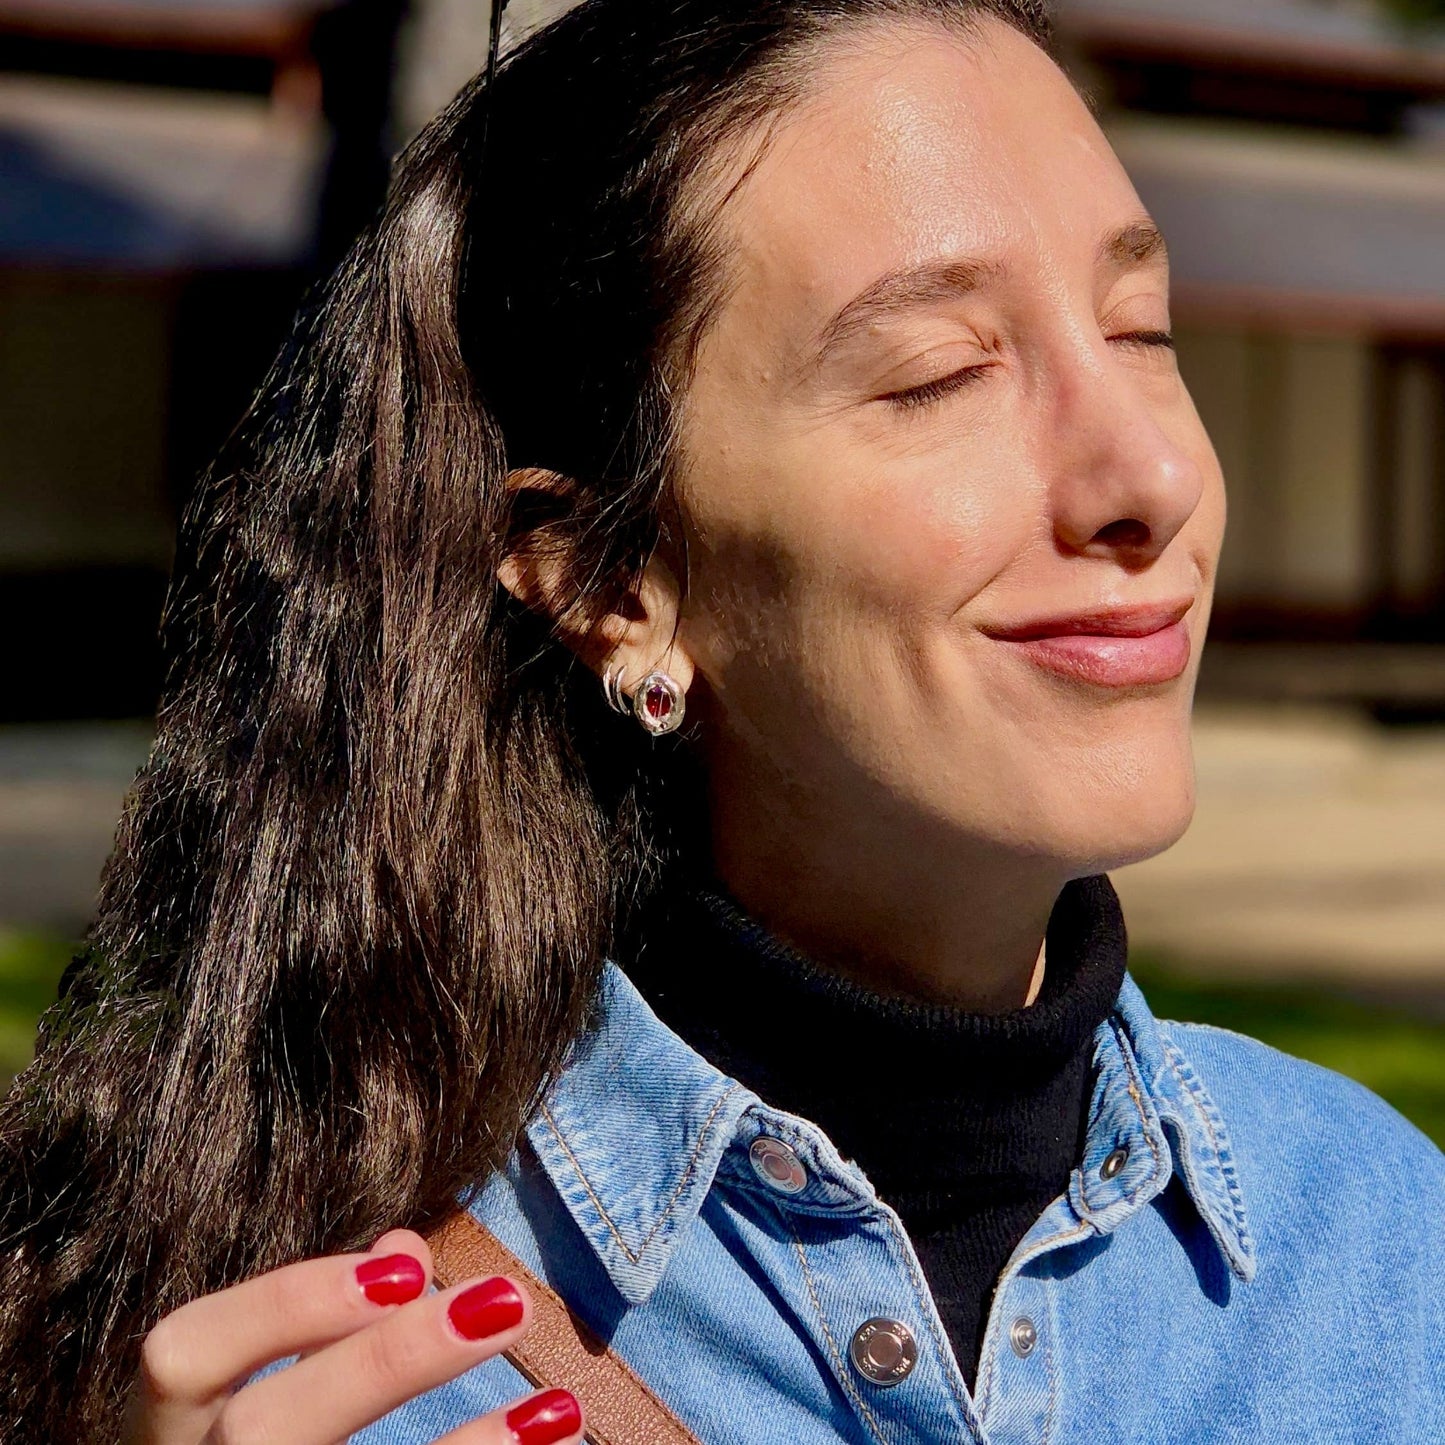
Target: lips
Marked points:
1109	647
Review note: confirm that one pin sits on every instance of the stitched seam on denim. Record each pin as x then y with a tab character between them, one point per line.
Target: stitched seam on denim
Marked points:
921	1291
1195	1098
682	1183
737	1182
992	1351
1050	1365
1198	1096
704	1137
587	1185
839	1365
1136	1087
984	1383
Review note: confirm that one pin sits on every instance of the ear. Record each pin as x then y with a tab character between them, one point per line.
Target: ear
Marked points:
637	638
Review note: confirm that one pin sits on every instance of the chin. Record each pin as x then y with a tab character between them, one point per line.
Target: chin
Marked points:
1124	814
1140	845
1139	827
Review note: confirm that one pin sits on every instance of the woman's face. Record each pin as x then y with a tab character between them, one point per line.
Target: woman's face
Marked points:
932	418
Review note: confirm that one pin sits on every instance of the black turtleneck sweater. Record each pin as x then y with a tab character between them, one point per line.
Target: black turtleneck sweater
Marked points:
968	1124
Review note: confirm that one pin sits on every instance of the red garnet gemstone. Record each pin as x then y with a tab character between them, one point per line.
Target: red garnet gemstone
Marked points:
657	701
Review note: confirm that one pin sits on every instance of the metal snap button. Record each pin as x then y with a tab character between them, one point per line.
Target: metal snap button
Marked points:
777	1166
1023	1337
1113	1164
883	1351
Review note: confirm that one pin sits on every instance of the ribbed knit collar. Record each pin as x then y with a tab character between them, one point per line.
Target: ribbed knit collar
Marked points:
936	1104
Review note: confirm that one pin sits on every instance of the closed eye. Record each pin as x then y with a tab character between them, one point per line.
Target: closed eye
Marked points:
914	397
1148	338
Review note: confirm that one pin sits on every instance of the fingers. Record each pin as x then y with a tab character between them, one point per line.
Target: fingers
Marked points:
552	1417
406	1241
394	1241
202	1349
360	1378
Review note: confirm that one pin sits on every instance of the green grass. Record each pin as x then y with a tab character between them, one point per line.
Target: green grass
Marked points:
30	967
1400	1056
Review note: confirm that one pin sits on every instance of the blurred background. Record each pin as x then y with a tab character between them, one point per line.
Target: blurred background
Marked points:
174	173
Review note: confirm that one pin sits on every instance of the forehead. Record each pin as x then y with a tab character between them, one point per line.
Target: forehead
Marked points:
916	143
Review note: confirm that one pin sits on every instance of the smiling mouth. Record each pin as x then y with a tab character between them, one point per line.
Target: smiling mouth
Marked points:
1113	647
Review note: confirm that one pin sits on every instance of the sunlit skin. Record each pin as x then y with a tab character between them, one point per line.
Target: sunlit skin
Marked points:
895	787
895	790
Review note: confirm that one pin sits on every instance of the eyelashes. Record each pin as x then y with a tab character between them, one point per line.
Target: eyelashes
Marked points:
917	398
1164	340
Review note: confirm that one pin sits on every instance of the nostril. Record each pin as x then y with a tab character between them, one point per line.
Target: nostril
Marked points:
1126	532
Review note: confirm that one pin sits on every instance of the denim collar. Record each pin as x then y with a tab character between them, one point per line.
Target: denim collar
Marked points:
1148	1095
635	1128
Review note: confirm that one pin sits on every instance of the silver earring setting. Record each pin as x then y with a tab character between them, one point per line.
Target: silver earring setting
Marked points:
658	702
612	690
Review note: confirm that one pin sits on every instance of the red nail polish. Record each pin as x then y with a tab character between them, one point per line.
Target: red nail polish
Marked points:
553	1415
391	1280
486	1309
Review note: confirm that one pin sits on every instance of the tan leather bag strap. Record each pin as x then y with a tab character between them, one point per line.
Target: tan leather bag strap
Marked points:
559	1350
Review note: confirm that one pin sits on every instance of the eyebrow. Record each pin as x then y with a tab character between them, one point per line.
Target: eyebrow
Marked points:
1134	244
1137	243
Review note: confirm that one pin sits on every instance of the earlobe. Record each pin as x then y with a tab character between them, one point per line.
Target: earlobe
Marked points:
649	642
647	671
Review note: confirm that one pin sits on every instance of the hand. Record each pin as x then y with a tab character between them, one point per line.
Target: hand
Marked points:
369	1337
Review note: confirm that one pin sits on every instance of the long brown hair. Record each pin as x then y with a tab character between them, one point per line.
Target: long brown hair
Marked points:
362	890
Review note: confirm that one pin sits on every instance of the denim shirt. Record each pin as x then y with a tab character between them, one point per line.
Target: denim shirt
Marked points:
1251	1250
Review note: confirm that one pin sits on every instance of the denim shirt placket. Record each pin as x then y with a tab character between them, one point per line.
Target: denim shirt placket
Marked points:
870	1269
846	1257
1019	1377
1151	1113
851	1262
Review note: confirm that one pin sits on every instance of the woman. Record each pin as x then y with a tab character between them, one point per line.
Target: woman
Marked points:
799	372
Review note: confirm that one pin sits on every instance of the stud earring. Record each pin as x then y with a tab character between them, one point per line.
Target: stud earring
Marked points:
659	703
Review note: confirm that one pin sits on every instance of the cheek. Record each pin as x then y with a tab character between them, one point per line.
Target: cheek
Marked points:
809	542
934	535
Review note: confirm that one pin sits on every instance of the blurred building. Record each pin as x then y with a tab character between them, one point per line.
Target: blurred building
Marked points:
174	172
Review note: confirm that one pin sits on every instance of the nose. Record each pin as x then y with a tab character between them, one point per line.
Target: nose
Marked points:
1123	487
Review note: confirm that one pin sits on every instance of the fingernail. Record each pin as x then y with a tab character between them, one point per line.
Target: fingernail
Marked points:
553	1415
486	1309
391	1280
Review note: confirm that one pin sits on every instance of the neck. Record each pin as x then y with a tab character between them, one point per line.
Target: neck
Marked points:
880	901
